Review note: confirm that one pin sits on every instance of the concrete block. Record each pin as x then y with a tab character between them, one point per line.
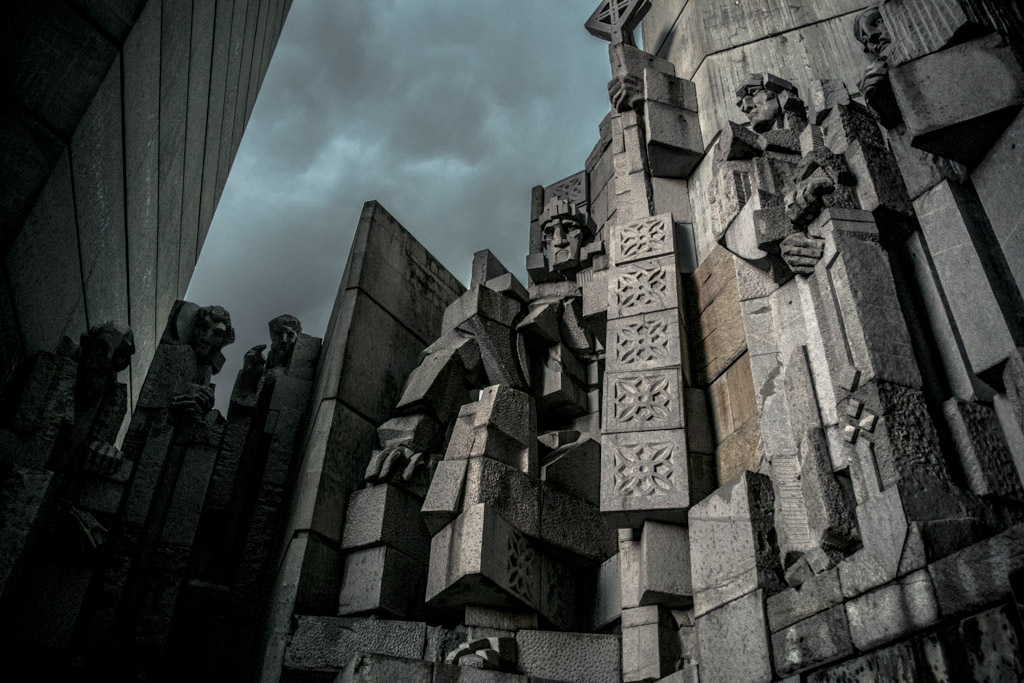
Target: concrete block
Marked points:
731	547
674	144
576	468
978	575
513	495
575	525
894	611
650	646
381	580
823	638
448	673
374	668
645	475
665	565
643	342
607	603
326	643
907	662
734	642
570	657
957	101
817	594
643	287
386	515
481	559
984	455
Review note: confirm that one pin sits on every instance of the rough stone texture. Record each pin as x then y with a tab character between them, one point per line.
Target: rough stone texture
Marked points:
643	401
978	576
608	596
984	454
385	515
893	611
575	525
650	645
569	657
823	638
328	643
734	642
995	177
902	663
376	668
948	117
383	580
644	342
731	543
817	594
665	565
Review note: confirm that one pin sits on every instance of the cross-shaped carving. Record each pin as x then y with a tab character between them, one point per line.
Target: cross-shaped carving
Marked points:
615	20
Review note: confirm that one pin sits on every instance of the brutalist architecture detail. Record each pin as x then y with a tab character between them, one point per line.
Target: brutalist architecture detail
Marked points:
756	415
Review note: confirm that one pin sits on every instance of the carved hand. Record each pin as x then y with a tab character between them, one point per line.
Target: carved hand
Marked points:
802	252
254	360
626	93
101	458
803	203
196	402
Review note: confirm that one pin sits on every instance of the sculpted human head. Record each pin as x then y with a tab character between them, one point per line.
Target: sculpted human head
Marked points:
562	236
871	32
211	332
284	330
766	99
106	349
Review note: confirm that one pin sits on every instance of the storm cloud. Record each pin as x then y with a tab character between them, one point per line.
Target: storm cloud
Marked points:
447	112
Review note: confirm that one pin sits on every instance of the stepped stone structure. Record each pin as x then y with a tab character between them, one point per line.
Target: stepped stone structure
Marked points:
756	415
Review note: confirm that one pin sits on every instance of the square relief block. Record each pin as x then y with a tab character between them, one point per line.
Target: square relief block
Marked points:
644	476
643	239
642	342
642	401
643	287
480	559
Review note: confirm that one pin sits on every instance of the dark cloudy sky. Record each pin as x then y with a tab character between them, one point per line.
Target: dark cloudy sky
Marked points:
447	112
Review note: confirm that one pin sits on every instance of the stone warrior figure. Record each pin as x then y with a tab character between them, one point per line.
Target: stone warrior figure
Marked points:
825	197
508	394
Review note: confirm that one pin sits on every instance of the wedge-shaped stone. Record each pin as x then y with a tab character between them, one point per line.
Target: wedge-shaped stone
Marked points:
484	302
444	498
501	425
576	468
732	549
385	515
644	475
370	668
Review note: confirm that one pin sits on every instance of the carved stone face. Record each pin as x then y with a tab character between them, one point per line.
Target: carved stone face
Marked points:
561	239
211	332
284	330
872	33
762	108
105	349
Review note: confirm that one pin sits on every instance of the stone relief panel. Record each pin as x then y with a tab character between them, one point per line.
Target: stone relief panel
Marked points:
643	287
647	238
636	401
645	475
644	341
